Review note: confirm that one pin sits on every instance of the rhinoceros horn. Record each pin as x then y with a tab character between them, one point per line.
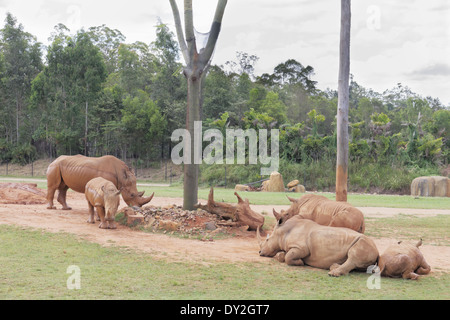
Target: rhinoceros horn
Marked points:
144	200
258	235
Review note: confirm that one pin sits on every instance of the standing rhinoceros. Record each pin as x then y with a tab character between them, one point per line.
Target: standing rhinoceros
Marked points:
301	242
325	212
74	172
102	195
403	260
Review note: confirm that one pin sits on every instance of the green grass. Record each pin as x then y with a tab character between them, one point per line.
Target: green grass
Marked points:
434	230
280	198
34	265
277	198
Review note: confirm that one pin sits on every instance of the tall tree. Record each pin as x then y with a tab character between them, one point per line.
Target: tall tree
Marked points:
168	85
90	73
22	62
197	62
343	103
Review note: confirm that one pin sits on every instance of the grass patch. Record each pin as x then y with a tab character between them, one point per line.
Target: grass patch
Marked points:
433	230
34	266
280	198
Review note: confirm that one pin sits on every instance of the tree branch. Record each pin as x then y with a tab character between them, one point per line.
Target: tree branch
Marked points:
182	42
214	32
189	29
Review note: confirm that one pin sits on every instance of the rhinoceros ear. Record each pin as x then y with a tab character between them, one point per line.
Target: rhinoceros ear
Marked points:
292	199
276	215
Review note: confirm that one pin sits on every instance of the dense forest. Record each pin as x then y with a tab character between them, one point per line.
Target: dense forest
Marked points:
92	93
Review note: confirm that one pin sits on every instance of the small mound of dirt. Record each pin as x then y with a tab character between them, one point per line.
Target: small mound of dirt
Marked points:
21	193
197	223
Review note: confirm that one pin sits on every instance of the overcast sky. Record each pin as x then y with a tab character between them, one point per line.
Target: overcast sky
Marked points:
392	41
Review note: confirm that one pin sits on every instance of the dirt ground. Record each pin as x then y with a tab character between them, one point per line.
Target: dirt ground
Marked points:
237	249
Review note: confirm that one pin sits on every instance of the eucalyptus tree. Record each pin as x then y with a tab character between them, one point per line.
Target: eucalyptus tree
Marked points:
343	103
197	61
21	63
89	74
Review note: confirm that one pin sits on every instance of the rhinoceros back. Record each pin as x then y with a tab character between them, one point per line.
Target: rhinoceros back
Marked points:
77	171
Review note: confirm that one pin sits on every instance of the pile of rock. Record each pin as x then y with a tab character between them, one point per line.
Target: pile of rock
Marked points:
295	186
173	219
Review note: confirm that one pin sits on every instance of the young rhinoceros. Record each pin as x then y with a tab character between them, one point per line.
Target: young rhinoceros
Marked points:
403	260
103	195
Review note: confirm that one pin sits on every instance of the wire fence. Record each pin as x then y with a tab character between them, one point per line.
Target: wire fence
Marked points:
162	171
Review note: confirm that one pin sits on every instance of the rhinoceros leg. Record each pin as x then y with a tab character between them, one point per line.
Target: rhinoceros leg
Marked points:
295	255
101	213
424	268
410	275
361	254
91	214
62	196
53	182
280	256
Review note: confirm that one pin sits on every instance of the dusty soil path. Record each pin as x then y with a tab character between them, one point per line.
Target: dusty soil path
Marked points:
238	249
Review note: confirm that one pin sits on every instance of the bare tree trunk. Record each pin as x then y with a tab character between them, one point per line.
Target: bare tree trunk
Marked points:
191	170
17	118
86	129
196	66
343	103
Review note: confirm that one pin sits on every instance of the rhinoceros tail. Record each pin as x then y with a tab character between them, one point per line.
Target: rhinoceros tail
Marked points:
381	264
418	244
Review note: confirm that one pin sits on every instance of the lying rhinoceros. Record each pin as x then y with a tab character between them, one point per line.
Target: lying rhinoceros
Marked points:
403	260
104	196
325	212
74	172
303	242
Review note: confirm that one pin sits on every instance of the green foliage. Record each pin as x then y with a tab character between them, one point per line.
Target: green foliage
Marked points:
133	96
23	154
380	119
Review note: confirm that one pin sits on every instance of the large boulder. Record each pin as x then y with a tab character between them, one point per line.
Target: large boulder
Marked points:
275	184
241	187
298	189
433	186
293	183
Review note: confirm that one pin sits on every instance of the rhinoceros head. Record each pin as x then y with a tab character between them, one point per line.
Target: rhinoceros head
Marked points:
281	217
269	247
130	193
111	198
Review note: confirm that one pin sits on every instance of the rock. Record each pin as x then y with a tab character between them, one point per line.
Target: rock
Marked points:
293	183
298	189
128	211
210	226
135	219
241	187
169	225
151	221
265	185
276	183
433	186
